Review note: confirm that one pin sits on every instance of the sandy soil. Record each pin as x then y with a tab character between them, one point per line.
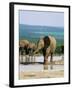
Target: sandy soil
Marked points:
42	74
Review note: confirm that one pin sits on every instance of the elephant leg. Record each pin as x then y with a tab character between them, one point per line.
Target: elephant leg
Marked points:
31	59
21	56
51	59
45	60
34	59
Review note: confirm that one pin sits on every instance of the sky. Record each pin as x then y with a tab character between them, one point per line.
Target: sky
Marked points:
41	18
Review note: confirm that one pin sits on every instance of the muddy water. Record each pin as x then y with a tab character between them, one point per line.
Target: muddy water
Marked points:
40	67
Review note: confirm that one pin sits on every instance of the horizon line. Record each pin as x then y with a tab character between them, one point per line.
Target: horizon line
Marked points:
42	25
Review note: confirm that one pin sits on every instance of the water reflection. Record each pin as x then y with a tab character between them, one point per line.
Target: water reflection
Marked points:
40	67
46	67
51	66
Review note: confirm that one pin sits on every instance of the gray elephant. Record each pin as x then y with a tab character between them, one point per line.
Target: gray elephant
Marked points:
48	46
26	50
23	45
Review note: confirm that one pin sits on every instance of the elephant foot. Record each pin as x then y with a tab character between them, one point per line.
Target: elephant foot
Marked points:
45	62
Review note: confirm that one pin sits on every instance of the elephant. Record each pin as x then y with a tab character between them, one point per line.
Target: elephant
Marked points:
48	46
31	49
26	49
23	45
27	46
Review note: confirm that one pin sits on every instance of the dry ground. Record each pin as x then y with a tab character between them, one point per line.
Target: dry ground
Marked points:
41	74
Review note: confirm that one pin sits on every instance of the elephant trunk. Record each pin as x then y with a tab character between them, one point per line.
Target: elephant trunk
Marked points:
37	50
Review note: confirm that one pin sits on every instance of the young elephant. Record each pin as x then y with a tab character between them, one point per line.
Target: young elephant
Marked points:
48	46
31	49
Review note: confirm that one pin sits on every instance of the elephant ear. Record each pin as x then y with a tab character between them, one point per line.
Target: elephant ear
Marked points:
46	41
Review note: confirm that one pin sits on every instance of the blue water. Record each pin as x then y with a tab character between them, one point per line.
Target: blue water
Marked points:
33	33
